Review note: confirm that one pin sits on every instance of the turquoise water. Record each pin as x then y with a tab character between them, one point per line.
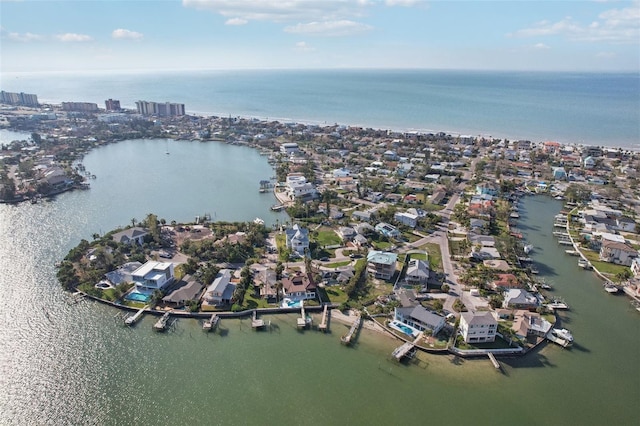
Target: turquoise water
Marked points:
138	297
403	328
591	108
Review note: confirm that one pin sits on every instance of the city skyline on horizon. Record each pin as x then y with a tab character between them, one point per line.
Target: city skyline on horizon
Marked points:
598	36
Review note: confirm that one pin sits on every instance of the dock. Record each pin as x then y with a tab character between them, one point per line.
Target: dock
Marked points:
494	361
161	324
303	321
132	319
211	323
406	348
325	318
346	339
555	339
255	322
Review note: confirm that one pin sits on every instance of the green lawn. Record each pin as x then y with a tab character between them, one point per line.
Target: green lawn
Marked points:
327	238
338	264
382	245
333	294
435	257
604	267
410	237
419	256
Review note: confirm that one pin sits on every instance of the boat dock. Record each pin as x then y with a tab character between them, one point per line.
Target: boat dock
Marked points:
325	318
494	361
132	319
255	322
161	324
555	339
211	323
303	321
406	348
346	339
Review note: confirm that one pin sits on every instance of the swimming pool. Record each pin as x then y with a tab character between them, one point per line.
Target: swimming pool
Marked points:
138	297
403	328
288	303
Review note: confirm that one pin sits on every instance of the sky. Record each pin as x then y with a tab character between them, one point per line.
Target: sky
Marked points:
543	35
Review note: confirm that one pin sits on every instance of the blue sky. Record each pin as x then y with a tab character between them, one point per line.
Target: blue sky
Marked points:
50	35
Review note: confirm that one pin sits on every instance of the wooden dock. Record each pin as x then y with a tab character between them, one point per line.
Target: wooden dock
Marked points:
304	320
494	361
161	324
132	319
325	319
346	339
255	322
211	323
406	348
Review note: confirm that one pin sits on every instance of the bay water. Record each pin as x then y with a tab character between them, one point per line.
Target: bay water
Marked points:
581	108
77	364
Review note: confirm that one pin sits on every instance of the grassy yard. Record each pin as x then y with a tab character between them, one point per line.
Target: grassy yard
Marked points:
419	256
338	264
604	267
382	245
327	238
410	237
252	302
435	257
333	294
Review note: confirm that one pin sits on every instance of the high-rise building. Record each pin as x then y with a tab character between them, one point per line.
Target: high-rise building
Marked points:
80	106
23	99
112	105
166	109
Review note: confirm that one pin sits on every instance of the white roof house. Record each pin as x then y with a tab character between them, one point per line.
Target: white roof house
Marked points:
153	276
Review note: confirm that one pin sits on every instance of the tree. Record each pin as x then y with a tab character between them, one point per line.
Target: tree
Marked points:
133	221
445	288
279	270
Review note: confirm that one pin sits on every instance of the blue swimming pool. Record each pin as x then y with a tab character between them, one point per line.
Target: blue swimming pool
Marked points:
403	328
288	303
138	297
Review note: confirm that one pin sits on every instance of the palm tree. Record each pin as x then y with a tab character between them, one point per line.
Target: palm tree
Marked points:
279	287
133	221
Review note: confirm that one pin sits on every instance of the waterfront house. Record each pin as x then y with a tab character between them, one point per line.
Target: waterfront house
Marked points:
618	253
298	239
381	265
346	233
219	292
527	323
124	273
130	236
417	272
289	148
477	327
266	280
420	318
505	281
516	298
153	276
297	187
299	286
486	188
185	290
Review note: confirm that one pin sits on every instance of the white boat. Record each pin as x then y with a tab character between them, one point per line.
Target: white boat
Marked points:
563	334
610	288
557	304
527	249
258	221
572	252
583	263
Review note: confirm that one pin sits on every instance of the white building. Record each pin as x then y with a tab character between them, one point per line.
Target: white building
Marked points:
153	276
298	187
289	148
221	290
298	239
477	327
405	218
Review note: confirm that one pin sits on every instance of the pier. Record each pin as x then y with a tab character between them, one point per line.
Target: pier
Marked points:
303	321
211	323
555	339
132	319
161	324
346	339
325	318
255	322
406	348
494	361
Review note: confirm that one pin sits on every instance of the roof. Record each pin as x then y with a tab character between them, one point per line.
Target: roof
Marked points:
298	283
220	283
382	257
479	318
618	246
186	289
129	234
418	268
420	313
150	267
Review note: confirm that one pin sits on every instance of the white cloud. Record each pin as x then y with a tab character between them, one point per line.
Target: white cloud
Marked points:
236	21
73	37
302	46
541	46
24	37
606	55
404	3
329	28
122	34
283	10
613	26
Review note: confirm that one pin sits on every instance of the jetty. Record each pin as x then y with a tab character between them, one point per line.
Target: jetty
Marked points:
406	348
132	319
494	361
256	323
161	324
558	340
325	318
303	321
346	339
211	323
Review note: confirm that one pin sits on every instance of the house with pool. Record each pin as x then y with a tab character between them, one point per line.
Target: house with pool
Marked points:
420	318
299	287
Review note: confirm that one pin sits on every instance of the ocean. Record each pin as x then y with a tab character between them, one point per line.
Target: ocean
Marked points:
579	108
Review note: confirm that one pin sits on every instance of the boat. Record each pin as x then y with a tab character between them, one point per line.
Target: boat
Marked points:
258	221
611	288
563	334
545	286
584	263
636	304
161	324
211	323
557	304
527	248
572	252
